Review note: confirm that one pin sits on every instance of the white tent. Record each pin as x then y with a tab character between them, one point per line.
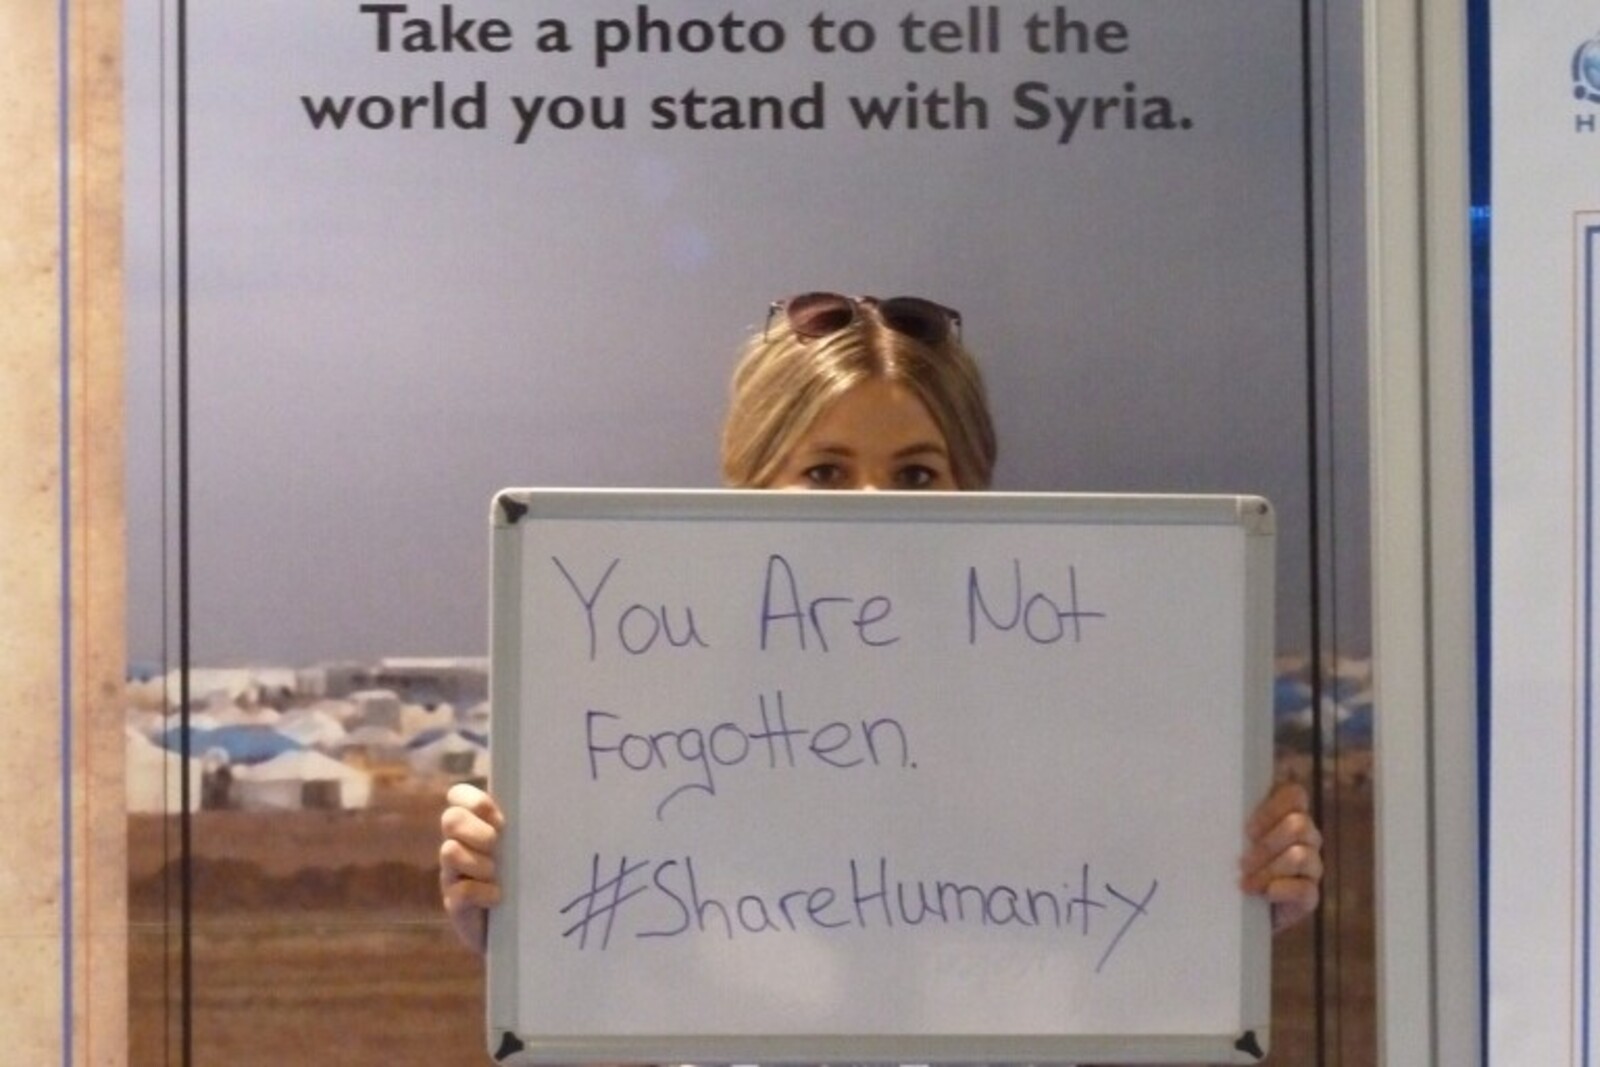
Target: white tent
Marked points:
301	779
230	683
155	777
312	727
208	685
475	718
453	755
377	744
255	715
375	707
416	719
198	720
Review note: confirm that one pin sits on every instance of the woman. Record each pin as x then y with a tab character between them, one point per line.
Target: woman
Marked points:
841	392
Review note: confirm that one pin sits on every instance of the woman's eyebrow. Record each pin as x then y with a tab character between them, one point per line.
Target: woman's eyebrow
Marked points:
923	448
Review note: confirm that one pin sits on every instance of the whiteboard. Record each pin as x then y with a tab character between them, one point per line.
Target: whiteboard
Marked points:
818	777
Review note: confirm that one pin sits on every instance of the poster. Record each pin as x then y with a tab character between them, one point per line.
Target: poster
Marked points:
394	257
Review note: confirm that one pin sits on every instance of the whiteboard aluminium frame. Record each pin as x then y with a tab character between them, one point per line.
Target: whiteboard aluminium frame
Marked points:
1248	1043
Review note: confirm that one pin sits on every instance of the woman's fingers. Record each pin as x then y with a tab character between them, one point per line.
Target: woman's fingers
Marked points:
457	861
466	903
1292	899
1291	848
471	819
467	893
1286	798
1283	861
471	799
1299	862
471	825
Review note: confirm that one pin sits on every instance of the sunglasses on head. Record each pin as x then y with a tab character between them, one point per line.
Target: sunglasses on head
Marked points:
814	315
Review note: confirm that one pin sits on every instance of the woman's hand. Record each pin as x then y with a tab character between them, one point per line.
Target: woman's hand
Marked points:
1283	860
471	826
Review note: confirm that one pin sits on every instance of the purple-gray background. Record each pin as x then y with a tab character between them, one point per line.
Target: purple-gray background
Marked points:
387	326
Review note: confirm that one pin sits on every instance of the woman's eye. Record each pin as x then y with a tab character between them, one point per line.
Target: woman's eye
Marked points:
916	476
823	475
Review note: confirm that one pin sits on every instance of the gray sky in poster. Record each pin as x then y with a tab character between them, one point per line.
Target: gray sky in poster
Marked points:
385	326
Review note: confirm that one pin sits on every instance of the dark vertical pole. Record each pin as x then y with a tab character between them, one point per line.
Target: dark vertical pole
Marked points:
1310	40
186	885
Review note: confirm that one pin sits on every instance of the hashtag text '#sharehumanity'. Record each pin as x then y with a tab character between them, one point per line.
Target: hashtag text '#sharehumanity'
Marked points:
667	898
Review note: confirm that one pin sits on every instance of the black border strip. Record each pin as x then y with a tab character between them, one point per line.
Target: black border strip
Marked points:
185	620
1308	112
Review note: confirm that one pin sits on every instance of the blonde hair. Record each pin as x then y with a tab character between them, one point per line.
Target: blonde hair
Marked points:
783	382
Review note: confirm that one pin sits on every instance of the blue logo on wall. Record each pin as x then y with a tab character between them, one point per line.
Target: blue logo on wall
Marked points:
1586	71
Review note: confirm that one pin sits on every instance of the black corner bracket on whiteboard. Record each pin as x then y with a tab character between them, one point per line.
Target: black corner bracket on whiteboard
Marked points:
511	508
510	1045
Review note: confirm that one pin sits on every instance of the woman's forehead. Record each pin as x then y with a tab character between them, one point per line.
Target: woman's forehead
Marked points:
872	412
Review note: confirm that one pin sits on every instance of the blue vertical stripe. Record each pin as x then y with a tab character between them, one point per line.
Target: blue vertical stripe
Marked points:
1480	160
1586	655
